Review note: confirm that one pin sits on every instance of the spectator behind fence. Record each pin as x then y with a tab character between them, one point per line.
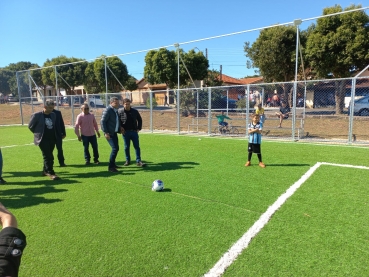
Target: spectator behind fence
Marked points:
261	112
60	135
221	121
2	181
42	125
12	244
85	129
254	145
275	100
284	112
131	124
110	125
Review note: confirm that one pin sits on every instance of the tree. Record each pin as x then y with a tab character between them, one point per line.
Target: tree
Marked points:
117	74
339	45
131	83
5	75
70	73
23	78
162	66
273	53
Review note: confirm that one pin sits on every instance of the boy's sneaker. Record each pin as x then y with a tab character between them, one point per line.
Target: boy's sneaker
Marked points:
127	163
247	164
2	181
96	162
261	164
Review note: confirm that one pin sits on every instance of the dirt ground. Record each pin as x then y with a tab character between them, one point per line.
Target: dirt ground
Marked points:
319	127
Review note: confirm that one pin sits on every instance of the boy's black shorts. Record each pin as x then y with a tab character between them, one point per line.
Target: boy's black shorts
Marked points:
254	148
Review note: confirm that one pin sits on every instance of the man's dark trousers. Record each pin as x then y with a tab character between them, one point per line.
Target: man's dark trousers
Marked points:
59	147
47	147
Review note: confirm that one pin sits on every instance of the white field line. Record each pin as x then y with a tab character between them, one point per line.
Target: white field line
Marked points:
231	255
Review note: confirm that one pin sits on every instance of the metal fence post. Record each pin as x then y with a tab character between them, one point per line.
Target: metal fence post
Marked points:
209	111
178	114
20	105
351	118
247	98
151	113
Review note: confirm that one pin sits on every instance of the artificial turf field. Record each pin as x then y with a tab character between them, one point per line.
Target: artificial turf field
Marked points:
96	223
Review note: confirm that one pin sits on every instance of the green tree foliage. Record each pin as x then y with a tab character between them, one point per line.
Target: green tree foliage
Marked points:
212	79
5	76
70	73
161	67
94	81
131	83
10	77
339	45
273	53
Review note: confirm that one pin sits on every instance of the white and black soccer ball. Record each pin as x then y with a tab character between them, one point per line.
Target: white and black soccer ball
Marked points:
157	185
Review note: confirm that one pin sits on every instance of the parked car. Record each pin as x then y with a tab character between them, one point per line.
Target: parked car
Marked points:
12	98
361	106
95	101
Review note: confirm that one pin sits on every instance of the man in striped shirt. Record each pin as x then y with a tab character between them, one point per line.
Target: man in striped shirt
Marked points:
255	128
85	129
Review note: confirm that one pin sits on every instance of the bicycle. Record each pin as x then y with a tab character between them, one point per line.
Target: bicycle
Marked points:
223	130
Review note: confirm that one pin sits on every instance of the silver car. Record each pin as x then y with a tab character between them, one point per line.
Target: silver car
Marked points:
361	106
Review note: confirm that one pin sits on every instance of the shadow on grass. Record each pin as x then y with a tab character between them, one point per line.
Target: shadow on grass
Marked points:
30	196
163	166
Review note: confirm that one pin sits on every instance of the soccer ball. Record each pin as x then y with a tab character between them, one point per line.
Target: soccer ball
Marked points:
157	185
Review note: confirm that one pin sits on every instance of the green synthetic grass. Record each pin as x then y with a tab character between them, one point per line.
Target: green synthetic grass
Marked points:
95	223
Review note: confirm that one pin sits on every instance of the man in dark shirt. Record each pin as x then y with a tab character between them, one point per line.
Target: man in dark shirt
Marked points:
42	125
131	124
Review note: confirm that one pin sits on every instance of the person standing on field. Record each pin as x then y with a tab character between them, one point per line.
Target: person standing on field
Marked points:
60	135
42	125
110	125
85	129
254	146
131	124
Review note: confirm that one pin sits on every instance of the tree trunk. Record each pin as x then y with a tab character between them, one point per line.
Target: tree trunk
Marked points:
340	91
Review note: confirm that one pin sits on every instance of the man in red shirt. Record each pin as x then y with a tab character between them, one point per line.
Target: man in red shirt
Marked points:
85	128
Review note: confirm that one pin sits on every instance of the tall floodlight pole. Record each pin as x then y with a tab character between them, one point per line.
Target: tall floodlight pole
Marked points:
297	23
178	110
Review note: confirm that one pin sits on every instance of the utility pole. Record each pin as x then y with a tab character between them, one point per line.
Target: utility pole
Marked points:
206	53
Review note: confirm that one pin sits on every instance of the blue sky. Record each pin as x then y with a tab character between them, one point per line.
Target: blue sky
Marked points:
42	29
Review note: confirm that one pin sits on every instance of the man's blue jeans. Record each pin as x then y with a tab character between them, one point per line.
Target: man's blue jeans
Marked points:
86	143
127	138
113	142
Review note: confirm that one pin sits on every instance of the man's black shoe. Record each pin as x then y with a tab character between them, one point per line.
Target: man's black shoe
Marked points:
87	163
2	181
63	165
112	169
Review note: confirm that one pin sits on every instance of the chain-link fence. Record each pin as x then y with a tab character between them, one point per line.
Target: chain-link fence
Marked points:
320	110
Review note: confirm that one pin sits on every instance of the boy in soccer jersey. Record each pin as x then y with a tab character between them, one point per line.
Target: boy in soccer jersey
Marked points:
255	128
